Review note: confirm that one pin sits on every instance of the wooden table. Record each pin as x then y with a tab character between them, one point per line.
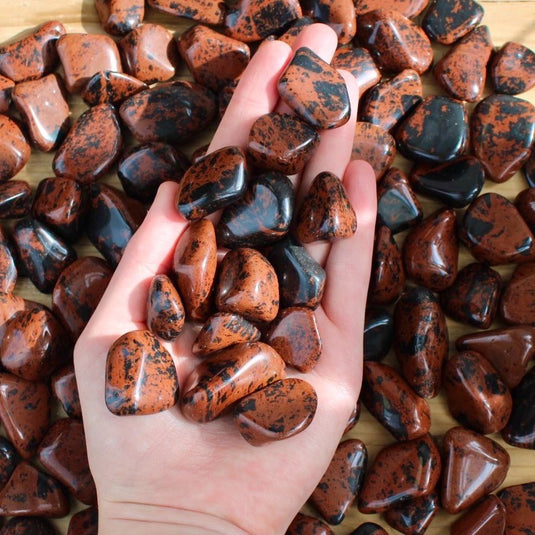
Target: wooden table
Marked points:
507	20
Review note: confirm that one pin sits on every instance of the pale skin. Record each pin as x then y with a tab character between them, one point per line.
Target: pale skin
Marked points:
162	474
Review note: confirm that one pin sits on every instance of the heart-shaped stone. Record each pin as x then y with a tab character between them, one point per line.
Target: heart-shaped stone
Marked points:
118	17
14	148
516	306
109	87
15	199
359	62
485	518
165	311
338	14
519	512
512	69
304	524
413	516
84	522
378	333
65	390
30	525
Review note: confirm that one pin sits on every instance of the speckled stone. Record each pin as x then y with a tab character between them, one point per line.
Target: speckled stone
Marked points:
338	14
29	525
229	375
519	510
476	394
109	87
421	340
378	333
165	311
295	28
315	90
205	11
84	522
502	129
387	103
308	525
9	305
278	411
409	8
341	482
516	306
474	466
369	528
8	269
15	199
6	88
395	42
525	204
33	56
326	212
14	148
495	233
118	17
354	418
8	461
44	108
390	399
413	517
400	471
485	518
65	390
170	112
512	69
359	62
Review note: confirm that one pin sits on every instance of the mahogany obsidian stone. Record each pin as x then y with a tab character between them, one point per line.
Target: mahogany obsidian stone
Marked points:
378	333
207	11
111	87
65	390
8	461
485	518
118	17
308	525
165	311
14	148
15	199
512	69
28	525
359	62
369	528
84	522
519	510
338	14
413	516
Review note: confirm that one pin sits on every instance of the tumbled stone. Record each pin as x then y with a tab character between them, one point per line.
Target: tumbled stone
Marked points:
341	482
43	254
247	285
369	528
84	522
338	14
509	350
390	399
401	471
485	518
387	103
205	11
278	411
9	305
281	142
118	17
387	278
24	412
214	59
374	145
8	461
170	112
409	8
512	69
519	510
516	306
414	516
6	88
378	333
431	251
476	394
227	376
28	525
525	204
315	90
140	375
294	335
397	206
502	129
65	390
456	184
395	42
165	311
112	219
33	56
495	233
474	296
421	340
326	212
45	110
14	149
15	199
8	269
295	28
354	418
435	130
109	87
359	62
308	525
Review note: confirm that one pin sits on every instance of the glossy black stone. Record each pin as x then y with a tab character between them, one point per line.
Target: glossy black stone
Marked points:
15	199
413	516
369	528
378	333
9	459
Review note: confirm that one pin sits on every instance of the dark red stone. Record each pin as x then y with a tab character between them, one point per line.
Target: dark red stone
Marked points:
109	87
359	62
65	390
14	148
308	525
369	528
118	17
525	204
338	14
6	88
28	525
206	11
413	517
409	8
485	518
354	418
9	305
84	522
519	510
15	199
165	311
516	306
512	69
8	461
8	269
291	34
378	333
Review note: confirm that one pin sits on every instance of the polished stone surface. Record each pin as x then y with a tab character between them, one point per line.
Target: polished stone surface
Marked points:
165	312
525	204
516	306
485	518
8	461
369	528
24	525
8	269
6	88
409	8
359	62
519	510
65	390
84	522
205	11
512	69
378	333
118	17
109	87
15	199
14	148
413	517
340	15
308	525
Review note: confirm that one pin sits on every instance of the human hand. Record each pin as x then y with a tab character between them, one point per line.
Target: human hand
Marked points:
162	473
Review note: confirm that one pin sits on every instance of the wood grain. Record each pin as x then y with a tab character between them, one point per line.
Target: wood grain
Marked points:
507	20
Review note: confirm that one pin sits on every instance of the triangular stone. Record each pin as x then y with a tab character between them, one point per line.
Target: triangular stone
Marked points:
111	87
512	69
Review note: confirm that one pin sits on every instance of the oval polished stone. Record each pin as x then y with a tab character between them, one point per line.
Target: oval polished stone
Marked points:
512	69
476	394
33	56
213	59
171	112
369	528
21	525
8	461
495	233
338	14
44	107
326	212
109	87
315	90
516	306
65	390
435	130
14	149
387	103
91	146
431	251
390	399
281	142
395	42
165	311
31	492
378	333
421	340
227	376
308	525
205	11
84	522
474	466
278	411
519	511
502	129
485	518
8	269
140	375
194	268
341	482
401	471
77	292
387	278
118	17
43	254
413	516
456	184
263	215
294	335
24	412
247	285
15	199
112	219
6	88
359	62
509	350
75	48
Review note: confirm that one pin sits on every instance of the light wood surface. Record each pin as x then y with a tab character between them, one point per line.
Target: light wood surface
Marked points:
507	20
